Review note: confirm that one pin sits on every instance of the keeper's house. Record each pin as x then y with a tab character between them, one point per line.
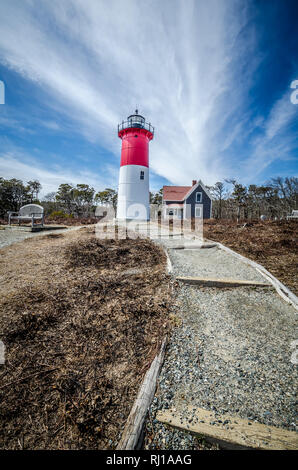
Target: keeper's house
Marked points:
185	202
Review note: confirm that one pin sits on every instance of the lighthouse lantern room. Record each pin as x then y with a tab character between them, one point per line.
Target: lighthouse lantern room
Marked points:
133	190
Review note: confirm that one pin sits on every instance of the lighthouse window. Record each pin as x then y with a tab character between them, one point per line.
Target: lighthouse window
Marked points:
141	175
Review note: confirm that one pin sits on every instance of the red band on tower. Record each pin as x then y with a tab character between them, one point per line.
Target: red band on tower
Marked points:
135	146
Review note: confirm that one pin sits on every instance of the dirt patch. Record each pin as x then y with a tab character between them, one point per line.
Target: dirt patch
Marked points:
109	253
54	235
79	334
272	244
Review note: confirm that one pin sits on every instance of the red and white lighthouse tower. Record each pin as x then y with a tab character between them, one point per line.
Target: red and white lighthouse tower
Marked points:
133	191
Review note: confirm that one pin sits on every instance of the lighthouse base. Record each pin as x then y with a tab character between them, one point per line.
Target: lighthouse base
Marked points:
133	193
131	220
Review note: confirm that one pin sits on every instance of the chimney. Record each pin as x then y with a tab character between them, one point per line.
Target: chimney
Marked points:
194	182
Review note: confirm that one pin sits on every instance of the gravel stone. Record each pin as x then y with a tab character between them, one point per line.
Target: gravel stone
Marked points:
230	354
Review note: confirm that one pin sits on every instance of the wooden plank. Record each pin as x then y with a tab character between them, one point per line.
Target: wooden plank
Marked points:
170	234
229	429
169	262
211	282
190	246
135	421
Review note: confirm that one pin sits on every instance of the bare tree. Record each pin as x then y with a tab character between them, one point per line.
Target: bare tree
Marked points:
287	191
219	192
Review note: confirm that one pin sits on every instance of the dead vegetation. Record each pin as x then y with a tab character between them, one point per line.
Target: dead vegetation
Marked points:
71	221
272	244
109	253
80	326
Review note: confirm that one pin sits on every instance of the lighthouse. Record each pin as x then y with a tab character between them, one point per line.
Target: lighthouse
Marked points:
133	190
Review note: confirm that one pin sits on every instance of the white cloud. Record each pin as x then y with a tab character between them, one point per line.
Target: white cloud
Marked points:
21	166
182	62
275	141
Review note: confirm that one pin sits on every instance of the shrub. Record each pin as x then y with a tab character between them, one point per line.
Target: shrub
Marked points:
59	215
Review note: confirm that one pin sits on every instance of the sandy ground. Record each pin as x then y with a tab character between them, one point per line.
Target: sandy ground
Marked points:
8	236
230	351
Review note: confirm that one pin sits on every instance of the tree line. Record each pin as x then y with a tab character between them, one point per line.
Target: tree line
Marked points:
14	194
276	199
69	200
231	200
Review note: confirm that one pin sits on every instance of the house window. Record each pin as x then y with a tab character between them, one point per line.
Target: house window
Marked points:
172	212
198	197
142	175
198	212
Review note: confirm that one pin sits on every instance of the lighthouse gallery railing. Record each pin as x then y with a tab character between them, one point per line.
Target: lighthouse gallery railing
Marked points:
139	125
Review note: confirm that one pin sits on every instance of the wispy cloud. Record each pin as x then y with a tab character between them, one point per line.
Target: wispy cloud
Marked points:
188	65
276	141
16	164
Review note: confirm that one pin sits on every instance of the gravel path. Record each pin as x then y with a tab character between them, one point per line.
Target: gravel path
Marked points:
230	354
8	236
211	263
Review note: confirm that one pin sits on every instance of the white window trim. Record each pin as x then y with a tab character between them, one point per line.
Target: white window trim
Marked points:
198	209
201	197
176	211
170	209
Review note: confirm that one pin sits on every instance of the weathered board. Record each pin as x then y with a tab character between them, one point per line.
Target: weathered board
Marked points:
135	421
229	429
190	246
220	282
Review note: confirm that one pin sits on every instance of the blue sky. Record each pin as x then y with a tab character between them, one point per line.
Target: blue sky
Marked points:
212	76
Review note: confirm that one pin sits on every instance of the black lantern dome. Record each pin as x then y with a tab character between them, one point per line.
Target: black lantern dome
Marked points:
136	121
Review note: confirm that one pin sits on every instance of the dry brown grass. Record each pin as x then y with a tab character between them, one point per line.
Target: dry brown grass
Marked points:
81	324
272	244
